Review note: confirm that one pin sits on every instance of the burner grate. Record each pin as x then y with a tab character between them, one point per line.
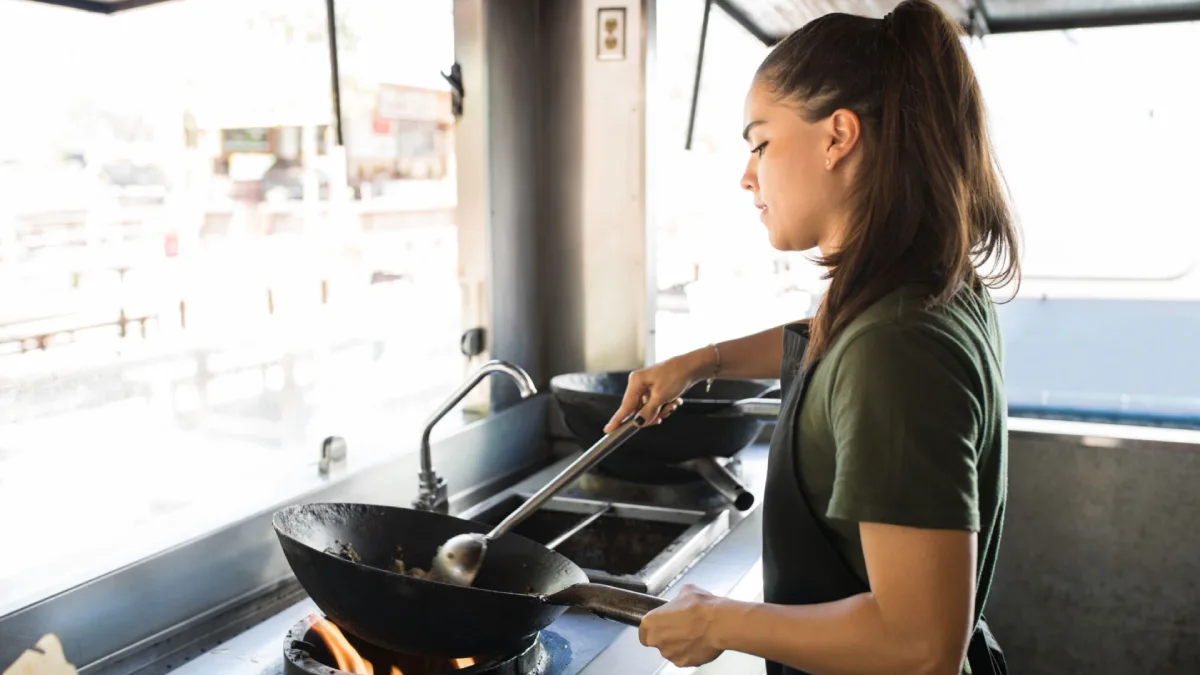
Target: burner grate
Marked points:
307	652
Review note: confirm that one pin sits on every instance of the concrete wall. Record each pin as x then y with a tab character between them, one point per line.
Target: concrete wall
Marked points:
1099	568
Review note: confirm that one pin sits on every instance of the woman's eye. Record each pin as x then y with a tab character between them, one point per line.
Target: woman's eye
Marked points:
758	150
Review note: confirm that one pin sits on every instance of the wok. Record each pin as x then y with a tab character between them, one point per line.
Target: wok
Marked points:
716	423
522	588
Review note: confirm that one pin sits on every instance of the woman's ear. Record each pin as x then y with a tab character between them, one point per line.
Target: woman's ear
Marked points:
844	132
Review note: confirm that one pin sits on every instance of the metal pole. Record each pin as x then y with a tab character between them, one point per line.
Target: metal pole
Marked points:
699	67
335	76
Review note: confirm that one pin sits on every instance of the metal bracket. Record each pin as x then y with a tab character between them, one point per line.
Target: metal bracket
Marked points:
457	92
977	21
473	341
333	451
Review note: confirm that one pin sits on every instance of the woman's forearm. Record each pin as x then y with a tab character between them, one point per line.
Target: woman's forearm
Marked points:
756	356
836	638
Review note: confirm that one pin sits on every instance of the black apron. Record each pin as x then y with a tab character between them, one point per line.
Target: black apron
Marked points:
801	566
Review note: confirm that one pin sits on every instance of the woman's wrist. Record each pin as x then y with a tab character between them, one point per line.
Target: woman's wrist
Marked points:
722	626
702	363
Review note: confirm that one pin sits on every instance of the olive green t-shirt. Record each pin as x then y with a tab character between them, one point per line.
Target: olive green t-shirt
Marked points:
904	424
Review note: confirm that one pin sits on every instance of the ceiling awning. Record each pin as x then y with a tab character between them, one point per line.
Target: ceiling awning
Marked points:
103	6
771	20
1014	16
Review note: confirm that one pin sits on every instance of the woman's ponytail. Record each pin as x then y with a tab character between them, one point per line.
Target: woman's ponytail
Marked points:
929	205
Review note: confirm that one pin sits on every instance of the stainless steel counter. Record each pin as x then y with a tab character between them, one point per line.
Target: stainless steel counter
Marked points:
1078	497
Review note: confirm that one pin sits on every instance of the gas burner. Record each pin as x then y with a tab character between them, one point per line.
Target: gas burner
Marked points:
316	646
673	486
691	495
634	469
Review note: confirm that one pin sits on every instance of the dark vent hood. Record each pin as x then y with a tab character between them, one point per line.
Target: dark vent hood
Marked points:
770	20
103	6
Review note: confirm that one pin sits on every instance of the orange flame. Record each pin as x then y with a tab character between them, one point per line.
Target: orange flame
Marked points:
349	660
347	657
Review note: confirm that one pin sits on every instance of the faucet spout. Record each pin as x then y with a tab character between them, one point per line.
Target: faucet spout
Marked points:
432	495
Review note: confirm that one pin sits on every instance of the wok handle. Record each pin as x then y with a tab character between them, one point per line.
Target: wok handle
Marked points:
775	392
603	448
721	478
609	602
766	409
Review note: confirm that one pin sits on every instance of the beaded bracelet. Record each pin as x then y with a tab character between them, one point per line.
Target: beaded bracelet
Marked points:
716	369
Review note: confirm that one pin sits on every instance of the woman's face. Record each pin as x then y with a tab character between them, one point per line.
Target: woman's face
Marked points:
791	172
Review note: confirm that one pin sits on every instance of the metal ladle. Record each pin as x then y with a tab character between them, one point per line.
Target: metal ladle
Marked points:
459	559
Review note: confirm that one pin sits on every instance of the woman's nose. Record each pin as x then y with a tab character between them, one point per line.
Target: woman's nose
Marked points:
750	178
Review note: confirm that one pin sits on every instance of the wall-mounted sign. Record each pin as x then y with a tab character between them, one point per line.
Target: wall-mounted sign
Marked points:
610	34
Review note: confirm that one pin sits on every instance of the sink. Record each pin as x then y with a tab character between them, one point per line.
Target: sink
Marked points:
642	548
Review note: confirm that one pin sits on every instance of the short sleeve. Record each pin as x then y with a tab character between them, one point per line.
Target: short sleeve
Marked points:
905	412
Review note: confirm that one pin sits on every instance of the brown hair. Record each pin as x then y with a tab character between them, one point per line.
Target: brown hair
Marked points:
930	206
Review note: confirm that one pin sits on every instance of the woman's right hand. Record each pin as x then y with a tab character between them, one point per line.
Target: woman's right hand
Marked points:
654	393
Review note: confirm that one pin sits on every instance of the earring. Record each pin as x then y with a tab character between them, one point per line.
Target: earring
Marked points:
828	163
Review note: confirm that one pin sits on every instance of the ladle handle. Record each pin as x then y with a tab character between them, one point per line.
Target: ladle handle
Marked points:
609	602
603	448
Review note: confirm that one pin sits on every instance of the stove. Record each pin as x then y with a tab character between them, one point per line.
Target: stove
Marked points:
647	535
315	646
630	534
636	534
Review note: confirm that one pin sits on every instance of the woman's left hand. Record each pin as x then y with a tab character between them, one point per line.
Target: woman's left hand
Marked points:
681	630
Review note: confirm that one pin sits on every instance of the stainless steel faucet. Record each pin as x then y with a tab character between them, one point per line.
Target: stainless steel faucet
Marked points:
432	494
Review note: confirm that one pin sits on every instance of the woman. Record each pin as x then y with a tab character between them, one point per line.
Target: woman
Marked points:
887	475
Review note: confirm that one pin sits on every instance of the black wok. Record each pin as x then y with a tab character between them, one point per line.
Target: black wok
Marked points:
522	588
716	423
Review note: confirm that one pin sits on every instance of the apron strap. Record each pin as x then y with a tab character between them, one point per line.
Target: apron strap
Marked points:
984	653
